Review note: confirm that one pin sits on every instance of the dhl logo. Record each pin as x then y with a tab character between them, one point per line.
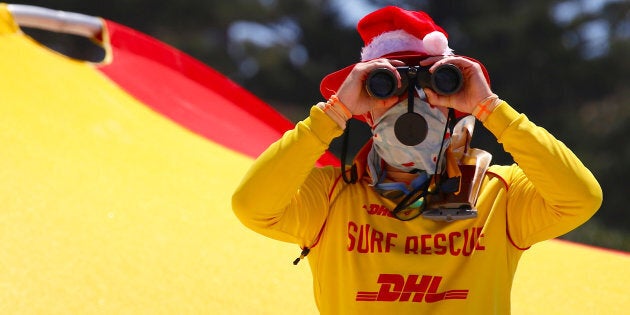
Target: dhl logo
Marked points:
414	288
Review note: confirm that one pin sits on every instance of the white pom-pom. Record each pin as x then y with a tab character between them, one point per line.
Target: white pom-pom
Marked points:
435	43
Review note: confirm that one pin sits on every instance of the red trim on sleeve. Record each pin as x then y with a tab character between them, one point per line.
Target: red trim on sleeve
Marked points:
507	232
507	229
330	193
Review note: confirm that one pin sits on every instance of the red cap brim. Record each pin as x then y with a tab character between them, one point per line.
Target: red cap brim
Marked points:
331	83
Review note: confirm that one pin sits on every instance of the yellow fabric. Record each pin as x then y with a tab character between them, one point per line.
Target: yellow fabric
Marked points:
109	208
7	24
369	262
561	278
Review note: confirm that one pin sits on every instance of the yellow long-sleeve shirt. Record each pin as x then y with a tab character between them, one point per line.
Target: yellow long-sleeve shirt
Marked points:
364	261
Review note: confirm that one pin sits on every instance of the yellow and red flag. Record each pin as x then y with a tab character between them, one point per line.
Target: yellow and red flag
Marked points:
115	187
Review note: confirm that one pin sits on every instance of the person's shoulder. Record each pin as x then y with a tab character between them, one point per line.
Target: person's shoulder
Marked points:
327	171
502	169
503	172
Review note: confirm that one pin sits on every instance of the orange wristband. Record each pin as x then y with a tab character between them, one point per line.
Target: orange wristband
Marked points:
485	107
334	103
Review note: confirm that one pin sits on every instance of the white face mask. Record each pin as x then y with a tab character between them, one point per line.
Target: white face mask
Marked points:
422	156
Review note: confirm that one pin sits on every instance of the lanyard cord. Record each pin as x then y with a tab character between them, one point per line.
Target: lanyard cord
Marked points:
450	119
344	154
413	195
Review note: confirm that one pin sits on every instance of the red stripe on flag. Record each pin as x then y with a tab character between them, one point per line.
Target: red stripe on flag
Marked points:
192	94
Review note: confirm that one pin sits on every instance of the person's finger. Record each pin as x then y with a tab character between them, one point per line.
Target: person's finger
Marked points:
431	60
432	97
456	61
397	63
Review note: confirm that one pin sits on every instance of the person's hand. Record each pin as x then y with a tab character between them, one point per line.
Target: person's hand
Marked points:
474	89
352	92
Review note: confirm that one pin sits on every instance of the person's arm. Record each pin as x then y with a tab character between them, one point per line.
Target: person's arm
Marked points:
283	195
550	192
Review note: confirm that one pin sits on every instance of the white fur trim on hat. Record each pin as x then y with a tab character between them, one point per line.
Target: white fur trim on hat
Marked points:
434	43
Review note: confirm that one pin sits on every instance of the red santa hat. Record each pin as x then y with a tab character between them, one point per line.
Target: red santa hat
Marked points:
394	33
394	30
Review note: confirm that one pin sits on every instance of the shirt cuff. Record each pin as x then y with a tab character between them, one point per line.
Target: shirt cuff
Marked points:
322	125
500	119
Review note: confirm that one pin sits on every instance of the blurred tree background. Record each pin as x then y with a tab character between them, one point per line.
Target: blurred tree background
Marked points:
565	63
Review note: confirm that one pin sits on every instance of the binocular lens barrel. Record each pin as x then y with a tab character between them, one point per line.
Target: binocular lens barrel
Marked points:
381	83
447	79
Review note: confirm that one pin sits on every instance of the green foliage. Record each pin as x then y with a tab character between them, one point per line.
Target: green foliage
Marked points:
542	57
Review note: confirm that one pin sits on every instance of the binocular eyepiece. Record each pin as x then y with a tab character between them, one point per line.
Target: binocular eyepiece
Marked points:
381	83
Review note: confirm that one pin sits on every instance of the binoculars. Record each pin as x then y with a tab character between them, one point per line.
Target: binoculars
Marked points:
382	83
